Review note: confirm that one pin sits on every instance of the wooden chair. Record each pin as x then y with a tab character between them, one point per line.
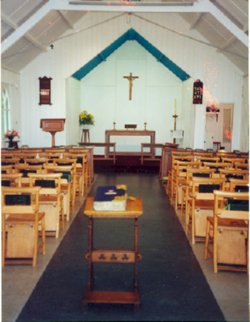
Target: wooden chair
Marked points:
233	160
232	173
82	172
217	165
88	151
193	172
198	155
36	161
21	222
241	165
50	200
227	230
67	185
24	170
207	158
28	150
185	159
236	185
10	161
200	205
68	162
11	180
10	168
179	179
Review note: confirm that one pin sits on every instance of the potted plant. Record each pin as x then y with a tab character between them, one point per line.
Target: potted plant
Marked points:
86	119
10	135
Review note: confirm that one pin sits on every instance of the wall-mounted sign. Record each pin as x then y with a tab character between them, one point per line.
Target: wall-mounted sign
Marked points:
197	92
45	90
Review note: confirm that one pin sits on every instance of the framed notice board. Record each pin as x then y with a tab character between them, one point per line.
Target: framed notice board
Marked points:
45	90
197	92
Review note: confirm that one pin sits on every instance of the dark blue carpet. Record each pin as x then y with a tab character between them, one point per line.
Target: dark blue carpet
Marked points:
172	285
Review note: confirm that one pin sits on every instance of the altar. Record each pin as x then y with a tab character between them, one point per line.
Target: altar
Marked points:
128	132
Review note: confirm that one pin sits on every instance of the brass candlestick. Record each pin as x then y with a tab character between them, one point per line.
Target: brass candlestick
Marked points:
114	125
145	125
175	119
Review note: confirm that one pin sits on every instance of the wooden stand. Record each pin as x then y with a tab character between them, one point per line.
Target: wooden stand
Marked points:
133	211
85	136
52	126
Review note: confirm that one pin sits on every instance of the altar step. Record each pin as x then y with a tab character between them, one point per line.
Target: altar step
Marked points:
126	163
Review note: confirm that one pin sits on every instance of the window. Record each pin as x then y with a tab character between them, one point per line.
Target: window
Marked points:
6	113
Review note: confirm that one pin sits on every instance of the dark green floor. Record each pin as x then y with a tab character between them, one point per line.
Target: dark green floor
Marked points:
172	285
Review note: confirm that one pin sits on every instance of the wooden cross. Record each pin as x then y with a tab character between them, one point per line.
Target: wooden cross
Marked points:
130	78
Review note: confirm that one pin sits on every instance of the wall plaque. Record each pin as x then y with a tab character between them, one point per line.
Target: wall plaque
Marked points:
45	90
197	92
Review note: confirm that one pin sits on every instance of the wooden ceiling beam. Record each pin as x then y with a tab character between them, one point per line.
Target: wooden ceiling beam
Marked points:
203	6
27	36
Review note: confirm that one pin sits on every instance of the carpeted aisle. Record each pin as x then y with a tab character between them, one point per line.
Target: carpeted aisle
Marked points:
172	285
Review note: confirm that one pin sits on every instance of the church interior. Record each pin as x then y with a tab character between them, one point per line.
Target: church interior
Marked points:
147	102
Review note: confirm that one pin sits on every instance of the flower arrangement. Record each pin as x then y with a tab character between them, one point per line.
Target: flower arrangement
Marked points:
212	108
10	134
86	118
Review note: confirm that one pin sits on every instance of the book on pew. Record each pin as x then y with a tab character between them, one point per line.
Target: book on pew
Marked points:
111	198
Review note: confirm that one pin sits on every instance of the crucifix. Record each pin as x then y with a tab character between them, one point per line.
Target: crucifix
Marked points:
130	78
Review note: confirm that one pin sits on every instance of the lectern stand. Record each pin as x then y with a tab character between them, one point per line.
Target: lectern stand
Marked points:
133	211
52	126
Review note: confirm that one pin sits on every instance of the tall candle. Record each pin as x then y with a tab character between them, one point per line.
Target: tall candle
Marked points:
175	106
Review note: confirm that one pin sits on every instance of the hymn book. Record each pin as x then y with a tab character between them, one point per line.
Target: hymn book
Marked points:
111	198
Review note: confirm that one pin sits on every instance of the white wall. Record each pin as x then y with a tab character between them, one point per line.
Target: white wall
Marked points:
222	81
72	111
244	142
186	120
105	94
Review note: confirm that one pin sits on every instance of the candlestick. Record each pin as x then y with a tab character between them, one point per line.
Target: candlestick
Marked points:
114	125
145	125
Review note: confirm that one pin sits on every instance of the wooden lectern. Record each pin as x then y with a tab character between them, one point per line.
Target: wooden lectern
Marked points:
52	126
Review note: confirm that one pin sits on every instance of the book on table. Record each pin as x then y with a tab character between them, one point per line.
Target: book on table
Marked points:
111	198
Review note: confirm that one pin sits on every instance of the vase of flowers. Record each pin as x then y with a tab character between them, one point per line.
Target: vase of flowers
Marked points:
10	135
86	119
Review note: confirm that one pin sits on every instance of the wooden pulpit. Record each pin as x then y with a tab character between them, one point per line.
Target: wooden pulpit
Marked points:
52	126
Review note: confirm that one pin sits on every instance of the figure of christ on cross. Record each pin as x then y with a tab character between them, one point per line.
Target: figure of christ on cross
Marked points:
130	78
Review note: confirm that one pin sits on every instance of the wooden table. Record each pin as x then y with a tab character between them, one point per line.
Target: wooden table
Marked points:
109	133
134	211
85	135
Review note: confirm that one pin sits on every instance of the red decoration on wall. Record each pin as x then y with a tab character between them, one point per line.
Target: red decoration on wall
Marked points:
198	92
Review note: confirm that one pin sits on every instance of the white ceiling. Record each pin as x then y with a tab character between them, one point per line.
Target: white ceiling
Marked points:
29	27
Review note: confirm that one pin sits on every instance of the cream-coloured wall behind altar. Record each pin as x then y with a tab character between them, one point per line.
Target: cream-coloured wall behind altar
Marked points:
155	93
222	80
